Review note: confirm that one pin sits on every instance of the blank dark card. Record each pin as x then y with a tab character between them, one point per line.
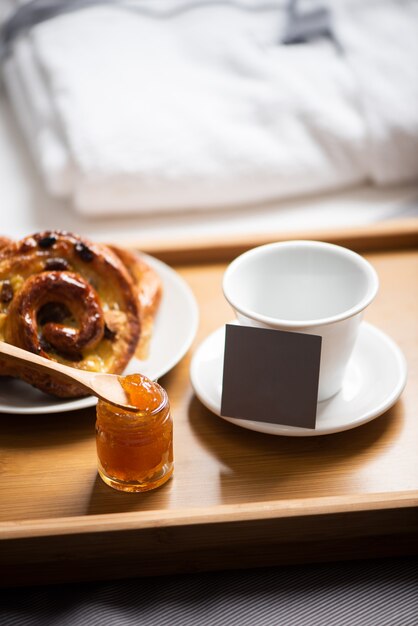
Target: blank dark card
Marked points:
271	376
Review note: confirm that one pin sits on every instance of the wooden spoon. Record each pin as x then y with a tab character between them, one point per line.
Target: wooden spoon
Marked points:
105	386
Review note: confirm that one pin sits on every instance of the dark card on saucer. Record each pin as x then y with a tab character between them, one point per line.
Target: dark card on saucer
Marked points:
270	375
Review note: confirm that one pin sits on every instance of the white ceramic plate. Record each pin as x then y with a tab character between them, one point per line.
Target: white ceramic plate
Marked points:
174	331
375	378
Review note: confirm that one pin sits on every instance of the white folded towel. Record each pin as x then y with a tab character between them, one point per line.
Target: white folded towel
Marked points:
130	111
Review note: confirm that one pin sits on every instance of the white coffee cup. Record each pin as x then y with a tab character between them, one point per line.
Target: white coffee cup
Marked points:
305	287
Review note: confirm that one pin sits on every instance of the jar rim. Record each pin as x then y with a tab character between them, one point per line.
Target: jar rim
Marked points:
140	412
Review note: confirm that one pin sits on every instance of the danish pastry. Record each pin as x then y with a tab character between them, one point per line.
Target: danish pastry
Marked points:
149	290
72	301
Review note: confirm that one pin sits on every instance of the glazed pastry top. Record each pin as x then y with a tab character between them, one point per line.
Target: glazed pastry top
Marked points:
73	301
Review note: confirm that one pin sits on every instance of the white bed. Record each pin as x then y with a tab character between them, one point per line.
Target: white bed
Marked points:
332	127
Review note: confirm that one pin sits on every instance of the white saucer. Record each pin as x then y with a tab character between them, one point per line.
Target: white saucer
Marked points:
375	378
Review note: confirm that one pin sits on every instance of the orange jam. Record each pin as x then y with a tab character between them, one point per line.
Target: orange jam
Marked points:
135	448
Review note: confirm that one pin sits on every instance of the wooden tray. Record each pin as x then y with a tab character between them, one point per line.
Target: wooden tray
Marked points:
238	498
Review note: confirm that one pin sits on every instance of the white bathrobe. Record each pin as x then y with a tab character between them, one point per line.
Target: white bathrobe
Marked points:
137	111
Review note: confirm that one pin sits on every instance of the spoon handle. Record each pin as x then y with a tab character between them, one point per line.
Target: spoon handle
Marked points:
34	361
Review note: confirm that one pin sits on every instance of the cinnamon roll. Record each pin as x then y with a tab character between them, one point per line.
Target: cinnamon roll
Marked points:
149	293
75	302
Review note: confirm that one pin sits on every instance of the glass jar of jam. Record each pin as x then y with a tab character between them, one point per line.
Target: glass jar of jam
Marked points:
135	448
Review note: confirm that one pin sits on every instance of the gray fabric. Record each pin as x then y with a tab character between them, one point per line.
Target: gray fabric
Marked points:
307	25
369	593
37	11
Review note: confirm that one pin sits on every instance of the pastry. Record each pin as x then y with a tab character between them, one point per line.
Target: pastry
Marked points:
149	292
4	241
72	301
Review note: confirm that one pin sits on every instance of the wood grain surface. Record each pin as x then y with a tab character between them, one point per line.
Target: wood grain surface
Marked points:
238	498
384	235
